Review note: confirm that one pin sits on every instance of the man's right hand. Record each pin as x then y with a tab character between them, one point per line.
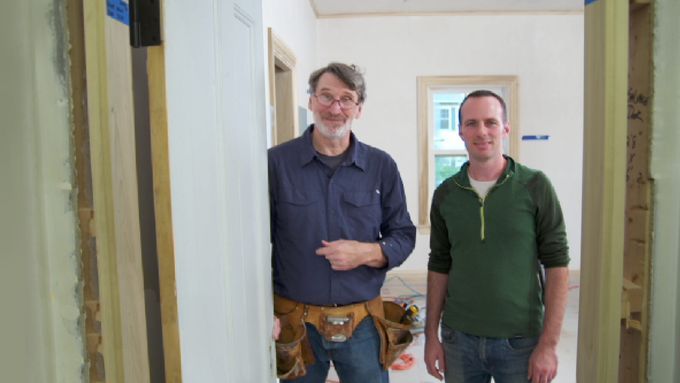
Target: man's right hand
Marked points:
434	357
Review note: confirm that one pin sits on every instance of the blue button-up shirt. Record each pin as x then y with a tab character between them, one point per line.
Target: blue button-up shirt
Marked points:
362	200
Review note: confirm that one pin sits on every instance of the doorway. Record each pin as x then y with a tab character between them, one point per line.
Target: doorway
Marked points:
282	90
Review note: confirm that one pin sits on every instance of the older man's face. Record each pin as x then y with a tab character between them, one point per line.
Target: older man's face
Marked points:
334	121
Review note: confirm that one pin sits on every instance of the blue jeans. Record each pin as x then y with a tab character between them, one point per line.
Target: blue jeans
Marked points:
475	359
356	360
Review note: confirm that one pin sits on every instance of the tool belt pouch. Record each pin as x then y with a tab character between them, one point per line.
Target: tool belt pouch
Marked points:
293	350
289	361
337	328
395	337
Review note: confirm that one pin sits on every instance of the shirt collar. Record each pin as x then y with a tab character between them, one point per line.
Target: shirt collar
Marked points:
463	178
356	155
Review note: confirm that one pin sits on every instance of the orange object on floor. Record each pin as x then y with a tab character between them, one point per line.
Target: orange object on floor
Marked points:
407	361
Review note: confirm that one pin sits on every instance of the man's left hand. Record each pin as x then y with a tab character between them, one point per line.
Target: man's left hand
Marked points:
276	330
346	254
543	364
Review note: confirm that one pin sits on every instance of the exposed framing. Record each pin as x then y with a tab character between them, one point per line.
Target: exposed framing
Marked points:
114	185
633	360
81	140
165	244
425	86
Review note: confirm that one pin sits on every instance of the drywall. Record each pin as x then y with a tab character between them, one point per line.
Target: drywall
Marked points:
545	51
39	266
664	357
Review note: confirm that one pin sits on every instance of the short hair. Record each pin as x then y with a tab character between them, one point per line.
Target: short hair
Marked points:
483	93
349	74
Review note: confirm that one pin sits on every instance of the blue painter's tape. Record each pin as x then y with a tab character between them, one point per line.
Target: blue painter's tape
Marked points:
118	10
535	138
590	1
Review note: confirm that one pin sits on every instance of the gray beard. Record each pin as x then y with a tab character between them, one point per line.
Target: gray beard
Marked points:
334	134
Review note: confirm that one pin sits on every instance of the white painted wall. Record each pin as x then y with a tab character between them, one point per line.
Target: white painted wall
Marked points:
41	336
294	22
664	357
544	51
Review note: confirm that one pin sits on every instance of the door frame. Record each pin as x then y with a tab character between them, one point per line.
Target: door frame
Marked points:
604	188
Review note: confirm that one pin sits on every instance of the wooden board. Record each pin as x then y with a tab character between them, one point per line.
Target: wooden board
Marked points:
114	185
81	140
633	349
163	210
606	69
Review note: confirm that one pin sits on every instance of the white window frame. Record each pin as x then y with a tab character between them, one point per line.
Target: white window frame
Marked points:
426	86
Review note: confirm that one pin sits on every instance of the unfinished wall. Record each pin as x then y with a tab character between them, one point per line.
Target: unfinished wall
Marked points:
544	51
40	289
664	357
637	232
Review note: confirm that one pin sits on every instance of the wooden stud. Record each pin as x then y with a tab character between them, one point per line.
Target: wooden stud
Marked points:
81	137
163	211
637	250
114	185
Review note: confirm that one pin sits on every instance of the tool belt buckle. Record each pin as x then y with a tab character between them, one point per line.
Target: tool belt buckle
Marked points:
337	328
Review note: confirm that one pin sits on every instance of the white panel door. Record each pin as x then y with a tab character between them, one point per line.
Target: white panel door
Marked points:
217	150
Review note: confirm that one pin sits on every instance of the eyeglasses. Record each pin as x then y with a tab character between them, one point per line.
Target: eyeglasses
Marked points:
327	100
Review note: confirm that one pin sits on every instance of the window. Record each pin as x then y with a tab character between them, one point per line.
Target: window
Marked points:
441	150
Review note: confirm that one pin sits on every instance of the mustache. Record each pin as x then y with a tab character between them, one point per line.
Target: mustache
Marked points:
334	118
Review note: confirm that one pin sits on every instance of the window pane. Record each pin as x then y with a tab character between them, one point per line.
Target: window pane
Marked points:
446	166
441	118
445	125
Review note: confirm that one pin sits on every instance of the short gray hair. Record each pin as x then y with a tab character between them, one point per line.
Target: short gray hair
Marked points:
349	74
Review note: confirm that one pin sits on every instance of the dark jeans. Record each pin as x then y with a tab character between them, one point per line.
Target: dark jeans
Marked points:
356	361
475	359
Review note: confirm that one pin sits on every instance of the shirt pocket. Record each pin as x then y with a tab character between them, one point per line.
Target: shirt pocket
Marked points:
297	208
364	213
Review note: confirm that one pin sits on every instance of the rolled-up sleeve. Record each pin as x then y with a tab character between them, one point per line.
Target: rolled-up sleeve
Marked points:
398	234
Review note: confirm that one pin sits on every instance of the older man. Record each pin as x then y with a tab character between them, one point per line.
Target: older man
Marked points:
339	222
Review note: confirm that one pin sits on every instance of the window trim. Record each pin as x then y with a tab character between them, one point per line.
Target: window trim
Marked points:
425	85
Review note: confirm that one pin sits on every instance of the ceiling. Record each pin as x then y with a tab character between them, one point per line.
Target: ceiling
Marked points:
326	8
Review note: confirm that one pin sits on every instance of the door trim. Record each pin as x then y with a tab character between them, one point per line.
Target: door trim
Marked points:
604	188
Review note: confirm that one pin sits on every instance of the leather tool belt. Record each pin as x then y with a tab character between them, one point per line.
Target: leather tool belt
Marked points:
335	324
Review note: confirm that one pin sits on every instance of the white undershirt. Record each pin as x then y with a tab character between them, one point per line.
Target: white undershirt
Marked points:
481	187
